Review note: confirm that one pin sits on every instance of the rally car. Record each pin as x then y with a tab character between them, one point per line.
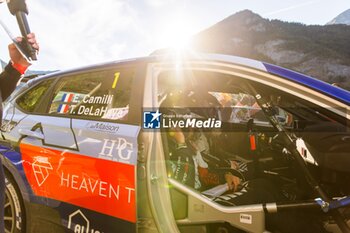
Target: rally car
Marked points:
88	150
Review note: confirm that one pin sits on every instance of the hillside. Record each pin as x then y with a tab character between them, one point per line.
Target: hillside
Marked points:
322	52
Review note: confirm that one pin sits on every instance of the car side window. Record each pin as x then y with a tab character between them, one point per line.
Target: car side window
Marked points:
240	107
30	100
94	95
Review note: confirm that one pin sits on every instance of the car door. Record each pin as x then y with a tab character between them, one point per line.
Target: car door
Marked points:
242	87
80	154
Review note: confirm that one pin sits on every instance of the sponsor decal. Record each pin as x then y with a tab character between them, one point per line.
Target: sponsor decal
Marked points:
116	113
41	168
100	185
103	127
79	223
246	218
122	147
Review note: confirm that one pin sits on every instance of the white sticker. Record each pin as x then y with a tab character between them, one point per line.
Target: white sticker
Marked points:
245	218
116	113
79	223
304	152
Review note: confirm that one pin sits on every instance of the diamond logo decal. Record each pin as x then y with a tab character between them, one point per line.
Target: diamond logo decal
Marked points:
41	168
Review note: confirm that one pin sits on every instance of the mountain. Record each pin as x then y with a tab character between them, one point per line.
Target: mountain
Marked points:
322	52
31	73
343	18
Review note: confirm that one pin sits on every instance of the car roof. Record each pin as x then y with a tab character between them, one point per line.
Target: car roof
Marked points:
315	84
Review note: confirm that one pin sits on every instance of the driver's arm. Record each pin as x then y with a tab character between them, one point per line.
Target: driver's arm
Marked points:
232	181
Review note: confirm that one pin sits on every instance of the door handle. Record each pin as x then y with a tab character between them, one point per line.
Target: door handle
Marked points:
29	133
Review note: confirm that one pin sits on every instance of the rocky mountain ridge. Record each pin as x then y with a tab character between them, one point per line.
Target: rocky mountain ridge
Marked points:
343	18
322	52
29	72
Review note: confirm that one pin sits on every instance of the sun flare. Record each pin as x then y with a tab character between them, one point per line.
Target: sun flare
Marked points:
176	34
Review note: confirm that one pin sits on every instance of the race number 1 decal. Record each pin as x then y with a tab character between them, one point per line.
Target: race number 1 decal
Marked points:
116	77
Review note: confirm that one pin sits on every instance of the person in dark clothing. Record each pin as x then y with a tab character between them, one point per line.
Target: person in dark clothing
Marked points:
8	82
188	165
243	187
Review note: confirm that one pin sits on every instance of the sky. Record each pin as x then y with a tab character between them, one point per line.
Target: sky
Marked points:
74	33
